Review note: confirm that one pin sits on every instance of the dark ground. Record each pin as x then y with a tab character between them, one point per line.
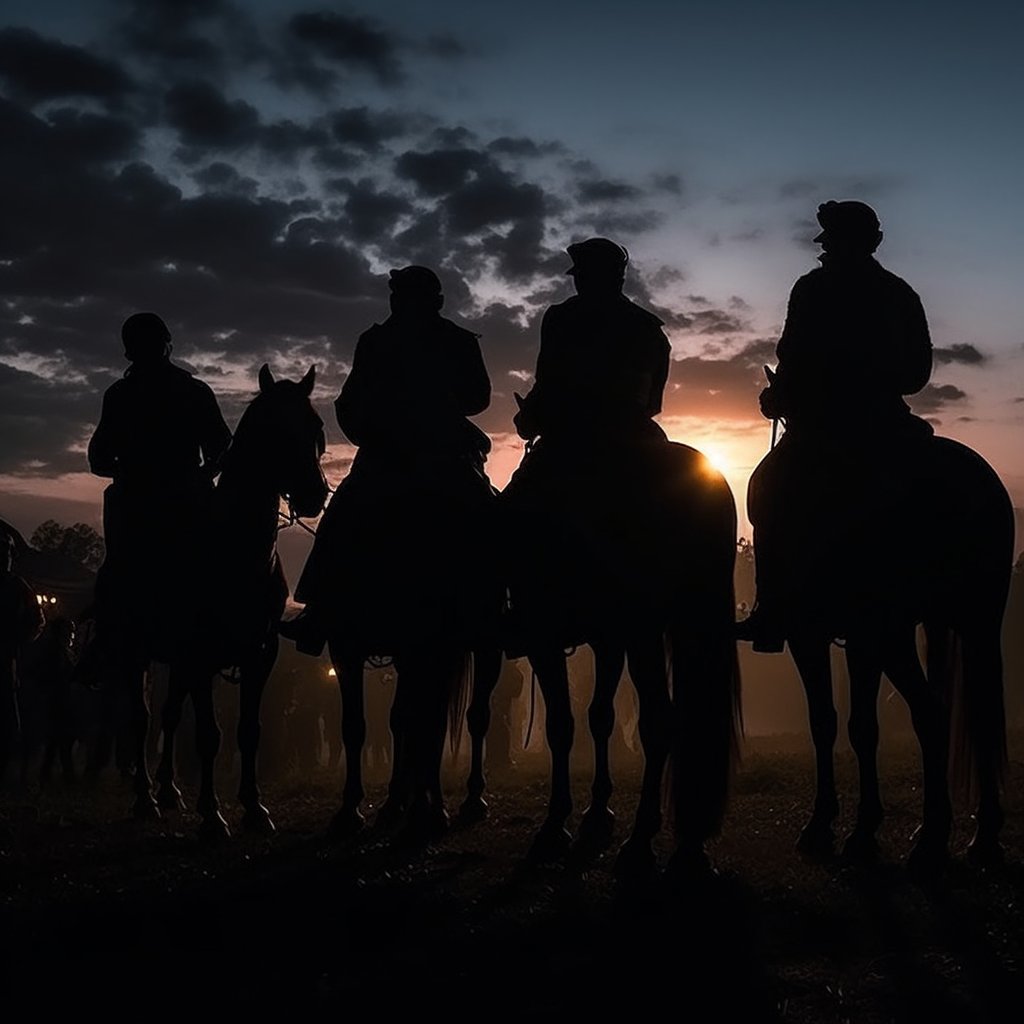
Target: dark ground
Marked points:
100	912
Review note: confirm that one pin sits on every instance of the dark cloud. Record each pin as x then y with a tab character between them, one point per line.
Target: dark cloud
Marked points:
521	146
352	42
43	69
372	213
190	37
203	117
367	129
961	352
259	239
607	191
934	397
41	422
440	171
725	388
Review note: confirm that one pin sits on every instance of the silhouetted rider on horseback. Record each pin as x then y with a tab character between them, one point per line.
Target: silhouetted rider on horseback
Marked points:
854	343
161	437
414	381
601	371
603	360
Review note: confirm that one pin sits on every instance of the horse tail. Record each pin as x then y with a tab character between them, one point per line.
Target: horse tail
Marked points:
966	669
707	715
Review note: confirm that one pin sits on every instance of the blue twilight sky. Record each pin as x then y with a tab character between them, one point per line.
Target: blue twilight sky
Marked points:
251	171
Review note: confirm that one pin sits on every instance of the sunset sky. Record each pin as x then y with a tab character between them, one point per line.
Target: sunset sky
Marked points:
251	172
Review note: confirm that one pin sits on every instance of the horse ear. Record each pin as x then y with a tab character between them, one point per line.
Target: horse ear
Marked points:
307	382
266	378
770	374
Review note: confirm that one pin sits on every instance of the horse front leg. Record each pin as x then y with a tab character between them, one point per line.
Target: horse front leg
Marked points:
598	820
349	671
208	737
865	669
486	673
251	684
168	795
134	680
648	670
813	662
554	839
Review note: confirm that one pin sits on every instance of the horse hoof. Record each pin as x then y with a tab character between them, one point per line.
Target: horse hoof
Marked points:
985	852
214	829
346	823
861	848
391	817
145	808
597	827
258	821
817	841
473	809
169	798
550	844
690	867
636	862
929	856
423	825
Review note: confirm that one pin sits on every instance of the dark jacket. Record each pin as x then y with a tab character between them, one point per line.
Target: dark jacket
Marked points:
855	341
413	383
602	368
160	429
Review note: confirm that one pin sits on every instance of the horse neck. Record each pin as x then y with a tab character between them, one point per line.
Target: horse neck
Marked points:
248	503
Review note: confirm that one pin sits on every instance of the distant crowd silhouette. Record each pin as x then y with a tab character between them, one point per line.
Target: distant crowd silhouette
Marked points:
608	534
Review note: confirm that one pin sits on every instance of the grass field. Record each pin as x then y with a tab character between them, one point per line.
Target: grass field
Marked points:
101	910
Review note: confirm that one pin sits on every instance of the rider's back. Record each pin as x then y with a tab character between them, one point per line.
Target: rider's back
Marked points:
158	428
855	342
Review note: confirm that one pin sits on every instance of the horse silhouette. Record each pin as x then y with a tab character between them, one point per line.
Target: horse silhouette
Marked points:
275	455
644	580
952	575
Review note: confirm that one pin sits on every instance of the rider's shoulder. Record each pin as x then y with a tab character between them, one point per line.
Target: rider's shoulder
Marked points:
644	316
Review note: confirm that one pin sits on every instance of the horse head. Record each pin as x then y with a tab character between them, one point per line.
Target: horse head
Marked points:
282	437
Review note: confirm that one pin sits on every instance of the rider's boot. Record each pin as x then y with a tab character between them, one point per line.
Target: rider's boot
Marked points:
306	631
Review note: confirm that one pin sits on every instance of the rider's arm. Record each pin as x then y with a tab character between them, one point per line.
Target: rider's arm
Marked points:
915	366
103	449
535	409
659	377
472	392
215	437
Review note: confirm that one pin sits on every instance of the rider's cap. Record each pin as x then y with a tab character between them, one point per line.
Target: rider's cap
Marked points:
414	280
599	254
144	334
849	218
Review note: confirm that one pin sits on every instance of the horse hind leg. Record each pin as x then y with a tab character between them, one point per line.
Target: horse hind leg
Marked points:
865	671
145	806
168	795
598	821
983	689
486	674
813	663
349	818
931	724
